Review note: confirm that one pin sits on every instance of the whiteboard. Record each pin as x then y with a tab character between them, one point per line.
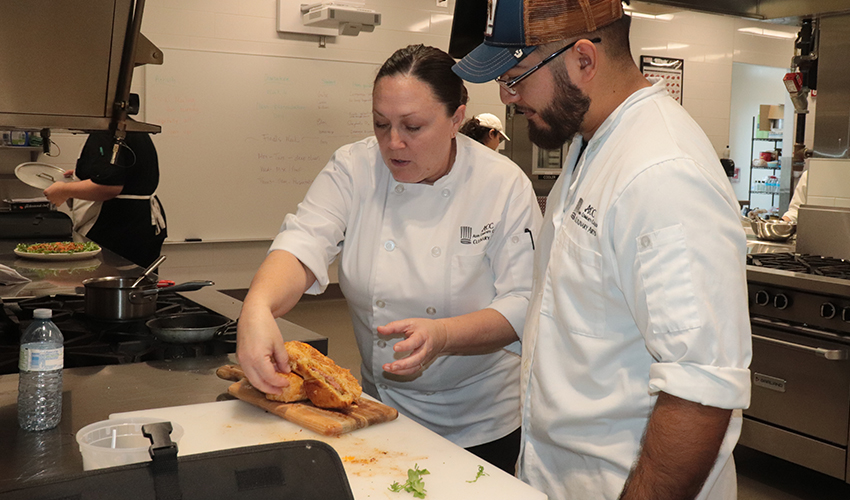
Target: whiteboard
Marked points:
243	136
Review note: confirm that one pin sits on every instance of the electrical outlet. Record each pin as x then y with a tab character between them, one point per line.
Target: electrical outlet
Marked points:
442	3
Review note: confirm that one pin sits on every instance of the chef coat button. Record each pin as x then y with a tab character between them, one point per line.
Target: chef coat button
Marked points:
399	189
389	245
435	252
382	386
431	311
380	303
446	193
382	343
645	242
515	239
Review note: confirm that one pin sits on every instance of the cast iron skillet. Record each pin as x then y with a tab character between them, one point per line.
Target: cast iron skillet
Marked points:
188	328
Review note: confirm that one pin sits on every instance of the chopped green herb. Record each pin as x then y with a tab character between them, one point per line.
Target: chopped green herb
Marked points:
414	483
480	474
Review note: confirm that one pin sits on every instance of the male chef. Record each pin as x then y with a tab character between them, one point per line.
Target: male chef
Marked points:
637	343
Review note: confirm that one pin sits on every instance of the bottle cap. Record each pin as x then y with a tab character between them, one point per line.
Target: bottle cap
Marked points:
42	314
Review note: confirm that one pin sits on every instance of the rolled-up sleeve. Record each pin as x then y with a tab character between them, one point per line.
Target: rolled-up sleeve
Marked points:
682	268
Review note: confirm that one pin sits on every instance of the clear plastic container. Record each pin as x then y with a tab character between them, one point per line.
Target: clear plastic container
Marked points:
40	374
114	442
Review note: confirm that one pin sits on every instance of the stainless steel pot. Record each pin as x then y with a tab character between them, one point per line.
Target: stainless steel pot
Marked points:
113	298
188	328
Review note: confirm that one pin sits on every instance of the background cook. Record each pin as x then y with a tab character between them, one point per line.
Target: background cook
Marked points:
432	232
115	205
485	128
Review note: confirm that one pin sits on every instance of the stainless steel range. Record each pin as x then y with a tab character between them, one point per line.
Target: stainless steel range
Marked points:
800	315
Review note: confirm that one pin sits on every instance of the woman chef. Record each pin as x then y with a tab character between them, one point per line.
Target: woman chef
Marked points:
433	235
114	205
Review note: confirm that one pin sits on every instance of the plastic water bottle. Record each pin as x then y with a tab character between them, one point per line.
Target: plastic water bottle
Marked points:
40	365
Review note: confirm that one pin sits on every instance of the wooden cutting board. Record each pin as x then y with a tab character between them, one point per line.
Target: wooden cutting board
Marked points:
362	414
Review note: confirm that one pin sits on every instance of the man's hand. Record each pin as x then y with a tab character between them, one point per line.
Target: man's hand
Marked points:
425	338
679	449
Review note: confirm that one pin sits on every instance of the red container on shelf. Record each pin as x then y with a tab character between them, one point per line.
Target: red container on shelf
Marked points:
767	155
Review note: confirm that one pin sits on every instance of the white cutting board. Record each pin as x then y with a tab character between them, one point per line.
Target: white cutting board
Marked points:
373	457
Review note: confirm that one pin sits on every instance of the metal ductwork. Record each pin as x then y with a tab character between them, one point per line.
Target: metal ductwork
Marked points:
832	116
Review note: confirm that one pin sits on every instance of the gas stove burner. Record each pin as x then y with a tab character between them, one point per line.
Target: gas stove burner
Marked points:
94	342
802	263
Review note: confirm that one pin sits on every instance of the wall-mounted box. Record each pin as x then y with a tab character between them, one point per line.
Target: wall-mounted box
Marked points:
768	113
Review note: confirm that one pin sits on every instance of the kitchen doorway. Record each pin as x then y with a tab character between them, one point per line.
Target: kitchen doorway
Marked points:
753	86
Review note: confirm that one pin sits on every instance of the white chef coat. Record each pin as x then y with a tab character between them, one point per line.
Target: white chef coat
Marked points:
799	198
429	251
640	287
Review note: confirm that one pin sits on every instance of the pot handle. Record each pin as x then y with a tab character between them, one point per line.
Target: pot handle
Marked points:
223	328
182	287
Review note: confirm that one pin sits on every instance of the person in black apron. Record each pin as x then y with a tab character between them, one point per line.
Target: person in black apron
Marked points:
129	222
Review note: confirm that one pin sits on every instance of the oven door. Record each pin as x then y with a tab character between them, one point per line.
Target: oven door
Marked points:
800	406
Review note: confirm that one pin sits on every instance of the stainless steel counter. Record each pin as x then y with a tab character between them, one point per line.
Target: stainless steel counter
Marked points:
90	395
53	278
58	277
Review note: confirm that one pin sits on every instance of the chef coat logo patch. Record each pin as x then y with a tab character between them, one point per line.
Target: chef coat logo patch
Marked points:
465	235
469	237
585	218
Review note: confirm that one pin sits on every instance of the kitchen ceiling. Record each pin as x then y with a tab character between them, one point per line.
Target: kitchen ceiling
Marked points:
783	11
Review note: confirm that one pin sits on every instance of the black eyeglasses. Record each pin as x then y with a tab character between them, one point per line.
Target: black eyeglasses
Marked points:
509	85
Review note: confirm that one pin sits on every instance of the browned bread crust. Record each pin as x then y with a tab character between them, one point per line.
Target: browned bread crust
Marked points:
327	385
295	391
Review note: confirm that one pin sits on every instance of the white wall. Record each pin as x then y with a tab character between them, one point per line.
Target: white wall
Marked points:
709	44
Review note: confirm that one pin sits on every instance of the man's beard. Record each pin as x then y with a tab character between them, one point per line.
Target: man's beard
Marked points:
563	117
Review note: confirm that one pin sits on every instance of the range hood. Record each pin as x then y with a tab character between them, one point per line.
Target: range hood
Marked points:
68	64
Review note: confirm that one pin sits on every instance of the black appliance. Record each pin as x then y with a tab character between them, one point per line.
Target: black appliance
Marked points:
35	224
800	317
93	342
728	166
307	470
468	25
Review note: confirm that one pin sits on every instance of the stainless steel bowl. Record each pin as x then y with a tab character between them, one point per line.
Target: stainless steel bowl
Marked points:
773	230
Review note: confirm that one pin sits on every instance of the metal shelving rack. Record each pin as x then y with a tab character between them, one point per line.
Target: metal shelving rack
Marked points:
753	139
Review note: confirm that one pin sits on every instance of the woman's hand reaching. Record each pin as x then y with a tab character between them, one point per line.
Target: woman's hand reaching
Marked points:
260	350
424	338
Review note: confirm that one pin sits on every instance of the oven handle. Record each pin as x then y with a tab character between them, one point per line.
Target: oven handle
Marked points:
830	354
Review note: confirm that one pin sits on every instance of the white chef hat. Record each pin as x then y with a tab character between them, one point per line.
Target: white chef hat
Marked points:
490	120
